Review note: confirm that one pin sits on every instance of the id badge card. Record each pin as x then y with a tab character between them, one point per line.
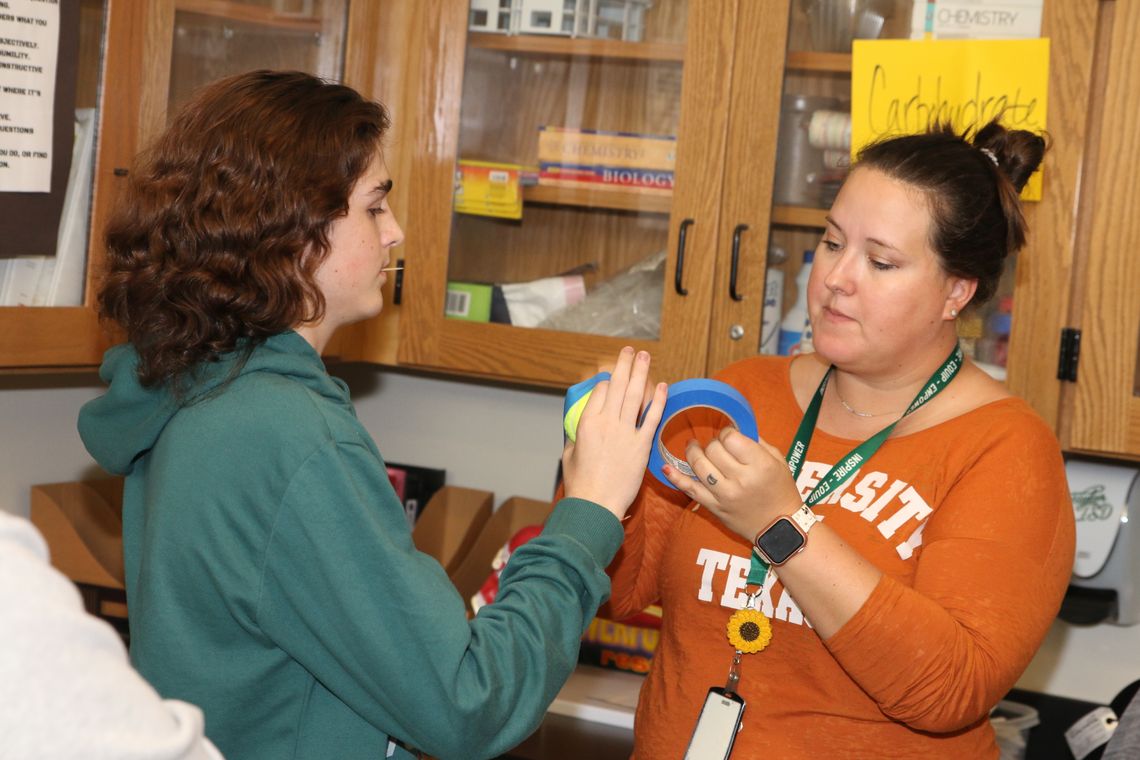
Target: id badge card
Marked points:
717	726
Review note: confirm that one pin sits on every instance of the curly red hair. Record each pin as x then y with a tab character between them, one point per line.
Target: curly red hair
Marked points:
225	222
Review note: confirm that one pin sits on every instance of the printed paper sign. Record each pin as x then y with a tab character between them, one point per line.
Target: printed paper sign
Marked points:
903	86
975	19
29	51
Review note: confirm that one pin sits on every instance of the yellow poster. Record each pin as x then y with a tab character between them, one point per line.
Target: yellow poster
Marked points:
903	86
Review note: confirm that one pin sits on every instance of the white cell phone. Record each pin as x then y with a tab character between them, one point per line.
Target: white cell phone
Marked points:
717	726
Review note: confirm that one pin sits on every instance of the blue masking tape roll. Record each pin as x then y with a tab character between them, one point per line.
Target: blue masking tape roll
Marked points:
689	394
683	395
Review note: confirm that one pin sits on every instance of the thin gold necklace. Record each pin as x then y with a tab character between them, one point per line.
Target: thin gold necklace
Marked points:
852	409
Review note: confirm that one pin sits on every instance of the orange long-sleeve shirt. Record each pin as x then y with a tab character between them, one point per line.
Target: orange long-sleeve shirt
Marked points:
971	524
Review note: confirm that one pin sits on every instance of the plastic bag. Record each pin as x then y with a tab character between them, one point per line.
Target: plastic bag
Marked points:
625	306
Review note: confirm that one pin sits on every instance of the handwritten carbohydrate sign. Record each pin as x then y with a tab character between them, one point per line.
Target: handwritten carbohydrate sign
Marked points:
903	86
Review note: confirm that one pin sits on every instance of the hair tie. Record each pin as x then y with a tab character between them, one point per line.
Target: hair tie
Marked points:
990	155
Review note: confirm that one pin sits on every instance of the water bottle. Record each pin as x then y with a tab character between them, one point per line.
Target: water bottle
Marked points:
773	301
792	326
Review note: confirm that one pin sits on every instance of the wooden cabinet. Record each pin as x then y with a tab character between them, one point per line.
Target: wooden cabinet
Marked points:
1100	404
713	74
111	32
738	59
484	96
1078	271
136	61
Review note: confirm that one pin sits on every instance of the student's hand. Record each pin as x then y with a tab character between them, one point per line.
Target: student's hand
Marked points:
745	483
607	461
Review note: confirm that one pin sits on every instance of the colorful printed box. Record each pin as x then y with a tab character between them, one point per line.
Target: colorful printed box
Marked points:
485	188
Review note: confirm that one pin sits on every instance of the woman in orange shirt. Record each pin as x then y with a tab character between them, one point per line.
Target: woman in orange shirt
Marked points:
909	565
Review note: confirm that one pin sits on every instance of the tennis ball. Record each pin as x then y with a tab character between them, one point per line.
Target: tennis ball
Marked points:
574	414
575	401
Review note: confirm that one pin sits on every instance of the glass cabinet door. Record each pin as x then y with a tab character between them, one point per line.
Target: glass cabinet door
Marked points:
583	189
813	149
214	39
813	157
566	166
50	269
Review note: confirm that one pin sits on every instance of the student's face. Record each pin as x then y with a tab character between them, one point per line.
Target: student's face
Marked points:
877	295
360	245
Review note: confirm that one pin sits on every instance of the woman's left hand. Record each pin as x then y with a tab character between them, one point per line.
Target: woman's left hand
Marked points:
745	483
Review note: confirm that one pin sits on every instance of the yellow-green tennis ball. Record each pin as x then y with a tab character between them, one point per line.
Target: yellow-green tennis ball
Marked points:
574	414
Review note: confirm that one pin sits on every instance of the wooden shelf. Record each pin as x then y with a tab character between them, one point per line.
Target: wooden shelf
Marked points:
622	200
249	14
799	216
578	46
802	60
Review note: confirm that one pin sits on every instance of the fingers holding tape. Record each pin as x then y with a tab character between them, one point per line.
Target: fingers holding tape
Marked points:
704	470
688	394
683	395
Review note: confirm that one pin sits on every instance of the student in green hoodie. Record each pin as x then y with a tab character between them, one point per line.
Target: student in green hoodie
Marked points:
271	575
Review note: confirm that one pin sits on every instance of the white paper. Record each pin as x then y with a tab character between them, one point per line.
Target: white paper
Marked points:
29	57
62	281
22	281
976	19
1090	732
528	303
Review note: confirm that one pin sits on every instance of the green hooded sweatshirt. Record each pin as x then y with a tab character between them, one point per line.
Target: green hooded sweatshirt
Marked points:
272	579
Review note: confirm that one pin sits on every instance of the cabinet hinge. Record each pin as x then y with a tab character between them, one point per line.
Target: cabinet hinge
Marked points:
1070	354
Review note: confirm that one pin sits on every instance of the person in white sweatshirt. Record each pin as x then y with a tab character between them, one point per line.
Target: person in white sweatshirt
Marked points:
67	690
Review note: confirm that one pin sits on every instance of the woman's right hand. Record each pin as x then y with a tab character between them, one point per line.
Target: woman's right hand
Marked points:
607	461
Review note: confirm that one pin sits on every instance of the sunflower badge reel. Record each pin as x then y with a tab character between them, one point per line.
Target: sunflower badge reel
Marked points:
749	629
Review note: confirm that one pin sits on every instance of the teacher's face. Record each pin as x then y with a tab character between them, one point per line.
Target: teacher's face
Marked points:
878	297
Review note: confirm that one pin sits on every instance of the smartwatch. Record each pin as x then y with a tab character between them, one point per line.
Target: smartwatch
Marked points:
785	536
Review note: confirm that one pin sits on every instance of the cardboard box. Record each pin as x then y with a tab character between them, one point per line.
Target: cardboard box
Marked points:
83	525
514	513
450	524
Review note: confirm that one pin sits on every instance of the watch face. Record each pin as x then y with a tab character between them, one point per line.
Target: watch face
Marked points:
780	541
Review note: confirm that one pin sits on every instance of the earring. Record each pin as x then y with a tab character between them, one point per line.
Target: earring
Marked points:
953	313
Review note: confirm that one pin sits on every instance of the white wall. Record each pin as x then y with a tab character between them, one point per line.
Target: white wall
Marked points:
501	440
504	441
38	439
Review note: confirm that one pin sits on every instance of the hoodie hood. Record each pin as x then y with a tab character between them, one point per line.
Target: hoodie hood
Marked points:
124	423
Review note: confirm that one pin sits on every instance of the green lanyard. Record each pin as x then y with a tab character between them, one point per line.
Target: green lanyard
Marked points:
842	471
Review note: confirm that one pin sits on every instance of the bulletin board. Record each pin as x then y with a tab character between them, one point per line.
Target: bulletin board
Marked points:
29	221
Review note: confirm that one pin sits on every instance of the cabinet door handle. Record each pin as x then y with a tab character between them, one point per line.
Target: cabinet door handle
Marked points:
678	279
736	233
398	285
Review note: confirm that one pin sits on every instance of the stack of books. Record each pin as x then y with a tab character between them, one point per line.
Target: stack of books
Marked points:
597	159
